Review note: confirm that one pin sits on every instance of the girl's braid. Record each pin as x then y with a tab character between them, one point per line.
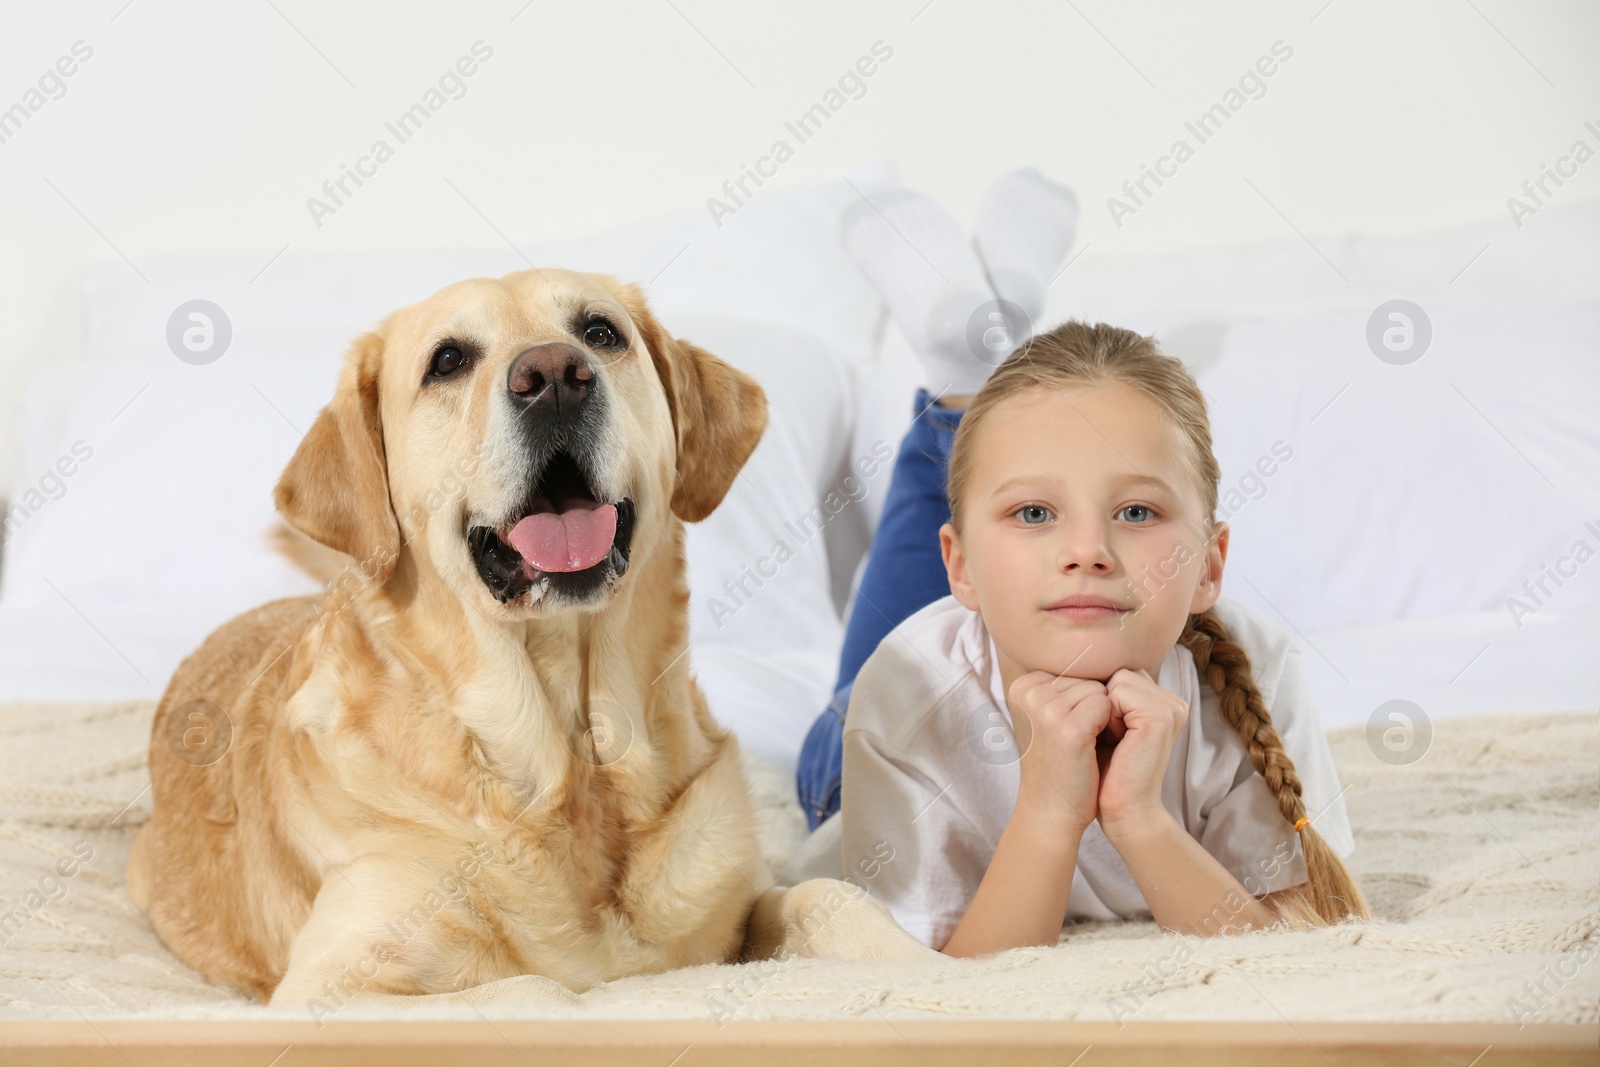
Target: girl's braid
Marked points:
1225	666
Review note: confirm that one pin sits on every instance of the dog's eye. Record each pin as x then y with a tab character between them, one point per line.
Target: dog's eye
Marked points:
446	362
600	334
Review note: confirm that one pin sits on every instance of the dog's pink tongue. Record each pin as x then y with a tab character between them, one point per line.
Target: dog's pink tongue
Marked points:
573	539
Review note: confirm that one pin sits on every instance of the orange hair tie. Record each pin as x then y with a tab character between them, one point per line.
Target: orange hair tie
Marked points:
1302	822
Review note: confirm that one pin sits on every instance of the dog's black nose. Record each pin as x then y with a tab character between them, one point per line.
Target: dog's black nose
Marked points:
551	379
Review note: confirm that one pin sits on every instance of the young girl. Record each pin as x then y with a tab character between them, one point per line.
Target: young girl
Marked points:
1081	729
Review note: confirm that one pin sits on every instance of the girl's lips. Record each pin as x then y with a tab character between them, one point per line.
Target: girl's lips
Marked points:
1086	613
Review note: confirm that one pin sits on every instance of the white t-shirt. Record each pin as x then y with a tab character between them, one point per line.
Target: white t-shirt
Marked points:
931	773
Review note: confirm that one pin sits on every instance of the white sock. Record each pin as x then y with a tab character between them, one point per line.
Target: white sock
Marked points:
1026	225
918	259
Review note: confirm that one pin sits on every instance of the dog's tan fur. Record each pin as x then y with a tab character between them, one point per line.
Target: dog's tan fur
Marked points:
426	789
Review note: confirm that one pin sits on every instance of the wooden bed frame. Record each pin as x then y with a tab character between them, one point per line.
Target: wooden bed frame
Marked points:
880	1043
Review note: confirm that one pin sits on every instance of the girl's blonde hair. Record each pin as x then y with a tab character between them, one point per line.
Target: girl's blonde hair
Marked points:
1076	354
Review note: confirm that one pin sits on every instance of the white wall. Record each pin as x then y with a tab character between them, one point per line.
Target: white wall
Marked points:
199	126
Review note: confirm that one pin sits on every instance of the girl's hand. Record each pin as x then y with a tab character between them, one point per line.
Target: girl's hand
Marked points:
1060	774
1145	721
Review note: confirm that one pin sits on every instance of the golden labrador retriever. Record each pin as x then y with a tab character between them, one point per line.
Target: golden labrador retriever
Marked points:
482	754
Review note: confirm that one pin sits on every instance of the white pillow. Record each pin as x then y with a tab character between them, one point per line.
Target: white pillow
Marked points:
1431	488
159	535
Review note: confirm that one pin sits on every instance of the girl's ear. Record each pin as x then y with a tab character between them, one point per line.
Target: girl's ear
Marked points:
955	567
1210	585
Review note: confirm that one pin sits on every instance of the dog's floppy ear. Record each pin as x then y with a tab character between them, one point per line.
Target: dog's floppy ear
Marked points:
335	489
718	413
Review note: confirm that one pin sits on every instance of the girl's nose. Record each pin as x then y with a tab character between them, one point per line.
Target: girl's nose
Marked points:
1084	550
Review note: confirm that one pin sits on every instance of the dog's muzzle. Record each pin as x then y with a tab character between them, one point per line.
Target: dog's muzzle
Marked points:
562	537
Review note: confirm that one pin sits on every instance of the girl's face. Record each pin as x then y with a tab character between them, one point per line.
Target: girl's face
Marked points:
1082	495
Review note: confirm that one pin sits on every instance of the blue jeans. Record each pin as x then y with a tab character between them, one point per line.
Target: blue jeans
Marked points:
905	572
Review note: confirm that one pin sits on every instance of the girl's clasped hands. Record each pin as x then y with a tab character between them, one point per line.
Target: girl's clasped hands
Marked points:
1094	749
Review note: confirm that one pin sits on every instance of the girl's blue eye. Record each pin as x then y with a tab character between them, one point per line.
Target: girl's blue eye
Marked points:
1137	507
1044	512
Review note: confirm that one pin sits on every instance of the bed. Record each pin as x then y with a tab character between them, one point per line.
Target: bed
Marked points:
1476	837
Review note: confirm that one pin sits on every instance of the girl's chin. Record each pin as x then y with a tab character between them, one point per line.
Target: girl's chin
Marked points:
1097	657
1095	654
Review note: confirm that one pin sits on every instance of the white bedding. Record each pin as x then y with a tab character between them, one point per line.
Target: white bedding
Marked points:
1480	862
1480	856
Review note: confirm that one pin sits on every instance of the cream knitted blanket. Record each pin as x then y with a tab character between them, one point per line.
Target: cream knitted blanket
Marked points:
1481	861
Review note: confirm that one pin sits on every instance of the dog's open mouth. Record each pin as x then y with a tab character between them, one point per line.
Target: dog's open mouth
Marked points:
561	536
